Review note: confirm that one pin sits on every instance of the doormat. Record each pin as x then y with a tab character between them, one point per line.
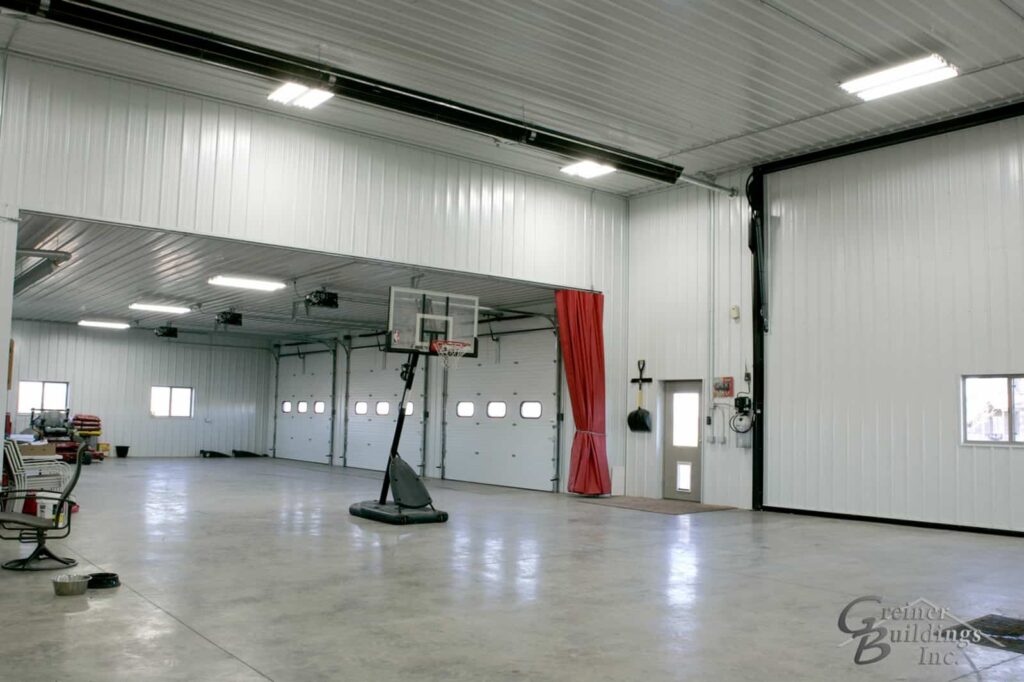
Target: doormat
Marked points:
1007	631
647	504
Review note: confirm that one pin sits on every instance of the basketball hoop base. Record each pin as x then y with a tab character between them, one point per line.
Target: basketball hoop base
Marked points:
395	514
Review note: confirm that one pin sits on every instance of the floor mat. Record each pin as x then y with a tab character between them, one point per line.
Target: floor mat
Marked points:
1006	631
647	504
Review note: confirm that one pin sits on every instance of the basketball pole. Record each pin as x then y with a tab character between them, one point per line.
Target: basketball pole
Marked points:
408	373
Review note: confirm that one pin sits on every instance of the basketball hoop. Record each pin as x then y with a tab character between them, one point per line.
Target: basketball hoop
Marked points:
449	351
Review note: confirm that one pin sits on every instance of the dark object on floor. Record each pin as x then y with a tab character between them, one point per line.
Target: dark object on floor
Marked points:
396	515
647	504
245	453
121	450
639	419
212	453
412	501
85	458
28	528
70	584
994	628
103	581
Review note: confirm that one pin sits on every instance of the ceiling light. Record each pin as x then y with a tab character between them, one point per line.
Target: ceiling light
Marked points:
155	308
300	96
287	92
313	98
588	169
103	325
930	69
245	283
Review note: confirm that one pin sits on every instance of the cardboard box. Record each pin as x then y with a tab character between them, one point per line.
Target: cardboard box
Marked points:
47	450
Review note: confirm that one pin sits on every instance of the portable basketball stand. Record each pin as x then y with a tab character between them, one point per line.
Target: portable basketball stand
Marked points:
412	502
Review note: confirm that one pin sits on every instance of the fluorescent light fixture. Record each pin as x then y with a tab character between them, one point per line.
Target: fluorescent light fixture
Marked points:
246	283
156	308
287	92
300	96
930	69
588	169
313	98
103	325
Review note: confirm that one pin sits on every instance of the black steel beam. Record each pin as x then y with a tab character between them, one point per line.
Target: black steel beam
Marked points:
919	133
253	59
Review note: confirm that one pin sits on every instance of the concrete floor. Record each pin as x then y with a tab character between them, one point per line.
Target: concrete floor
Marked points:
253	570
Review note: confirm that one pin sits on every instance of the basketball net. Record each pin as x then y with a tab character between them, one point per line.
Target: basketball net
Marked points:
449	351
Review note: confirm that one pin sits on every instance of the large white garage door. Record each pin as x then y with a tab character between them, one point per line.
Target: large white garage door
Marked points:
514	381
304	387
375	387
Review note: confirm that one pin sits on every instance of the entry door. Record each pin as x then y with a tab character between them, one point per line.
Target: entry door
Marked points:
682	459
501	413
305	386
374	389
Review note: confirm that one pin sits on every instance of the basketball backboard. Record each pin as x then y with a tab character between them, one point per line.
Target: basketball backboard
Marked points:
417	317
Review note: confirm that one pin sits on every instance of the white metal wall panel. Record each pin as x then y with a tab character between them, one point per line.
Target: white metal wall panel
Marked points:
111	374
892	273
509	451
689	263
98	147
308	378
375	377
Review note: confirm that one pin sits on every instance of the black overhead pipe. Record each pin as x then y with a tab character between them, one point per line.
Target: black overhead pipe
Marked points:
253	59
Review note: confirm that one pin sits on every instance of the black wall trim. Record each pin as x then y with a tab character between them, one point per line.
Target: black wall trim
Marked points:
960	123
897	522
755	197
115	22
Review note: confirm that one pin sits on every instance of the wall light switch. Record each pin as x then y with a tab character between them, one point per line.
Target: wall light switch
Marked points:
734	312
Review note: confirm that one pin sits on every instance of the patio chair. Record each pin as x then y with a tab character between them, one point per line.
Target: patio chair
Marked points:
29	528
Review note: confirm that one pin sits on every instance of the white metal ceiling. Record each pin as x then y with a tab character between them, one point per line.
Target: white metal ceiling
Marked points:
711	85
113	266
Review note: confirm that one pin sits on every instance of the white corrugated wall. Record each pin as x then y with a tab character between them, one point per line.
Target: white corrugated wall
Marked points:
110	375
108	149
689	263
893	273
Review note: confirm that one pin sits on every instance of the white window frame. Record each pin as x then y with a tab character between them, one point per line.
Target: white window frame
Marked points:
42	392
1011	433
170	402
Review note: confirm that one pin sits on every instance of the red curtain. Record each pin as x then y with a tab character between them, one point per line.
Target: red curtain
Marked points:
581	333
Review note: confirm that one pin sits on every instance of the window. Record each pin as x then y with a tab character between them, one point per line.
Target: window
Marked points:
42	395
685	420
319	407
465	409
530	409
496	409
302	407
383	408
361	407
286	406
170	401
993	409
684	471
408	409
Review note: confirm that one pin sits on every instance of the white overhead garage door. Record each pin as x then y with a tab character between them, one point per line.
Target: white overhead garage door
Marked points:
375	387
304	396
501	413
